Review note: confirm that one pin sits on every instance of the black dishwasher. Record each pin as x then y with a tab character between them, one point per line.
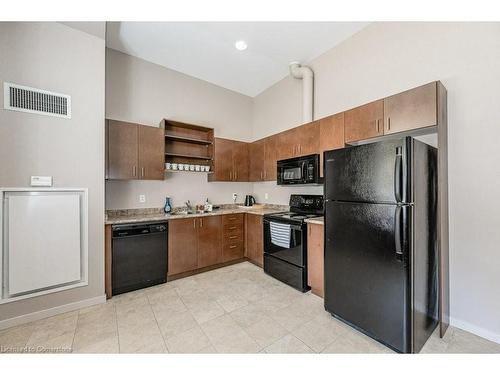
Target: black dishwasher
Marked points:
139	256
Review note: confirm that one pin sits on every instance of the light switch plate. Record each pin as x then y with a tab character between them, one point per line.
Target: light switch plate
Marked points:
41	181
142	198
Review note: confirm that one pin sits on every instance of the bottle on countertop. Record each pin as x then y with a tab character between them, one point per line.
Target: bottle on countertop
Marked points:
208	206
168	205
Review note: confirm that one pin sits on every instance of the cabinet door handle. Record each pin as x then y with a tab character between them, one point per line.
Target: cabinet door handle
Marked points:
235	175
194	223
232	246
377	125
231	176
388	123
232	228
261	175
142	171
233	237
232	218
201	223
134	171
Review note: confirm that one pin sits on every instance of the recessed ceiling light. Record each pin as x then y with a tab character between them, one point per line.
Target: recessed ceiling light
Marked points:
241	45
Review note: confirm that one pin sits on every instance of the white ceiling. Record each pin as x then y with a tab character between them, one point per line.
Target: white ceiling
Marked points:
205	50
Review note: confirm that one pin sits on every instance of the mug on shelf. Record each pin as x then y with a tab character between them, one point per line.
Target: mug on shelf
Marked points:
191	167
168	165
207	168
197	168
175	166
181	167
186	167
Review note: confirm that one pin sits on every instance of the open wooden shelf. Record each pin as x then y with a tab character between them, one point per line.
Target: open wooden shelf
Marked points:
188	143
177	171
188	139
174	155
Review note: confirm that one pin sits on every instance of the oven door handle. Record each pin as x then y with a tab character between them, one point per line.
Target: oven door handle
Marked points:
292	226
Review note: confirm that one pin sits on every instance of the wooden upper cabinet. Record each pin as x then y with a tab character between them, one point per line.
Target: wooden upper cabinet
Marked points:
270	158
122	150
223	160
240	161
182	246
209	240
287	144
256	152
412	109
331	135
134	151
364	122
307	139
151	153
231	161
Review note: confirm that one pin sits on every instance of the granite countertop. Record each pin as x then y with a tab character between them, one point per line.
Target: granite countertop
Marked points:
156	214
316	220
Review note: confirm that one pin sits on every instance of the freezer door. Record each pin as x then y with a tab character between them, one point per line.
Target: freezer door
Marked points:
367	269
375	172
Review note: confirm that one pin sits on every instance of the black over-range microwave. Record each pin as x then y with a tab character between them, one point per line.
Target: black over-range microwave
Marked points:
298	171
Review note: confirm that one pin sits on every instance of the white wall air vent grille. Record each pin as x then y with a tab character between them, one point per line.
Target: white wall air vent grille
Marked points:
32	100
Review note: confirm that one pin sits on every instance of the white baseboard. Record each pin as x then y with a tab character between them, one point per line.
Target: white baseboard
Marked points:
484	333
27	318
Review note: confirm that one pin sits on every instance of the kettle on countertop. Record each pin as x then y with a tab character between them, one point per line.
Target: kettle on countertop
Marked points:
249	200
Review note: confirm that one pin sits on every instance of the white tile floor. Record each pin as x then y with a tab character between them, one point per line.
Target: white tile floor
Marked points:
236	309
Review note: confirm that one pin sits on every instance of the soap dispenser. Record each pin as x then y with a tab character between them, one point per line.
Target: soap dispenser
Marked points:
168	206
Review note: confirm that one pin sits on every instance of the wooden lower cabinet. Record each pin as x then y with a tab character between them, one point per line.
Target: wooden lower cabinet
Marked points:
200	242
255	239
209	241
108	257
233	237
182	246
315	258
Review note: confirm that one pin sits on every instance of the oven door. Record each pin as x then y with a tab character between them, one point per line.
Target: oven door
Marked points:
295	254
291	172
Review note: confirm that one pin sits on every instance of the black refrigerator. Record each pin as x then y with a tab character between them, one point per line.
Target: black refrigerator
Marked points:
380	240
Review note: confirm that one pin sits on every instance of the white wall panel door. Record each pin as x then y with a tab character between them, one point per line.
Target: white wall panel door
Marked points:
43	243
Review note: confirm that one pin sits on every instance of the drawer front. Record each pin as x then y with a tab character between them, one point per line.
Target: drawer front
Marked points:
234	236
233	251
230	229
233	219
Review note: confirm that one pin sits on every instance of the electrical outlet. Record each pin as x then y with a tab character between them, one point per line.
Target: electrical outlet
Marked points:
142	198
266	196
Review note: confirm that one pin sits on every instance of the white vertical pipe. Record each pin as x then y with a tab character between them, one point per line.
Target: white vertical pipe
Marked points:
306	74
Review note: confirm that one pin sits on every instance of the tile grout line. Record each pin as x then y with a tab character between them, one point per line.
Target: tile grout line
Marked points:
74	333
157	324
117	329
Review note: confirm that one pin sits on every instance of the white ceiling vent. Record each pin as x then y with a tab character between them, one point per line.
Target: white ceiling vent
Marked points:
31	100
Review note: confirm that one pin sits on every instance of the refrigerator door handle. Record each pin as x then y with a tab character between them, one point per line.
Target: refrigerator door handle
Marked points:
398	175
398	235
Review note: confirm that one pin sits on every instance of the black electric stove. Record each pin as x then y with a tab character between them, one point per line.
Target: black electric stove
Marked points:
285	240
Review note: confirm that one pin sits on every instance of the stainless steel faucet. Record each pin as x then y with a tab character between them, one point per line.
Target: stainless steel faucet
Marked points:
189	207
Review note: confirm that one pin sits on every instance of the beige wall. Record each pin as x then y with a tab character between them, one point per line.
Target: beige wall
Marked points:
143	92
386	58
55	57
